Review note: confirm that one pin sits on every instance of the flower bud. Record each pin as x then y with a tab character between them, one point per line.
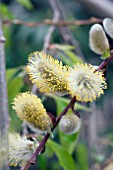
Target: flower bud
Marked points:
97	39
108	26
70	124
30	109
20	149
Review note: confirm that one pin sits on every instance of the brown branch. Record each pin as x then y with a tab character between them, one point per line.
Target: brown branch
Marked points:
4	119
55	19
64	30
53	22
105	63
43	142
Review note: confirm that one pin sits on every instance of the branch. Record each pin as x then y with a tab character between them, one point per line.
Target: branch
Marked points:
105	63
4	119
43	142
102	8
64	30
54	22
56	18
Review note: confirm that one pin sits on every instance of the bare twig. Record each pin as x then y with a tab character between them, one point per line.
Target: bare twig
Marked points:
64	30
56	17
54	22
105	63
4	119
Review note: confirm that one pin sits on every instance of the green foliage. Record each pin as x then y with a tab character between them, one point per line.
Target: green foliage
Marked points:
26	3
106	54
63	102
14	84
65	159
67	55
82	157
5	12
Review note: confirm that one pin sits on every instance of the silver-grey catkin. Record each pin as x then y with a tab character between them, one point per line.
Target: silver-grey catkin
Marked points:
108	26
97	39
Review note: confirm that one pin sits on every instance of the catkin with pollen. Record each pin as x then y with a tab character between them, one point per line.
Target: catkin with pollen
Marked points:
30	109
47	73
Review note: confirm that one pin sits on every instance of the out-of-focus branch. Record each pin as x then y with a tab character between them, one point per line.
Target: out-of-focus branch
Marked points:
4	119
102	8
56	17
92	20
65	31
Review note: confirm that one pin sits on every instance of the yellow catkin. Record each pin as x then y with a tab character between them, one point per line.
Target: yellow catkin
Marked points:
85	83
30	109
47	73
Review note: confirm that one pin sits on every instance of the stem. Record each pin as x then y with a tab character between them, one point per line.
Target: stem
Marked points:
4	119
52	22
105	63
43	142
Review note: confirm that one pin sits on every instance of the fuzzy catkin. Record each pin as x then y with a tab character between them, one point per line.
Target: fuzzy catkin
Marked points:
85	83
97	39
49	74
108	26
30	109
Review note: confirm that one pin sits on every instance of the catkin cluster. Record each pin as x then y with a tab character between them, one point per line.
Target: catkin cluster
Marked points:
52	77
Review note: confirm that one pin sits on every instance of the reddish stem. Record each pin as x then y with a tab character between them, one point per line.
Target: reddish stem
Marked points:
105	63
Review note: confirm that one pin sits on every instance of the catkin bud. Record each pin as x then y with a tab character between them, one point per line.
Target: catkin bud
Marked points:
30	109
70	124
108	26
97	39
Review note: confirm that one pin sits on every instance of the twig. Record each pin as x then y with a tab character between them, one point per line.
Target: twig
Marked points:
105	63
4	119
53	22
65	31
43	142
47	40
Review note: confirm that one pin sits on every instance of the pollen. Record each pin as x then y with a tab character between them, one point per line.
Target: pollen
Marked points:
85	83
30	109
20	149
47	73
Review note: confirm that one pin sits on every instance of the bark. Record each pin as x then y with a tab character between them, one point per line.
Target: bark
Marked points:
4	119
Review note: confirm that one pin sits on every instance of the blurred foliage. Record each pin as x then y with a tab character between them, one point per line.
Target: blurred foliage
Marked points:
20	42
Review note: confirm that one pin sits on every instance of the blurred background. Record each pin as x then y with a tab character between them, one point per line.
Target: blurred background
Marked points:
93	145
